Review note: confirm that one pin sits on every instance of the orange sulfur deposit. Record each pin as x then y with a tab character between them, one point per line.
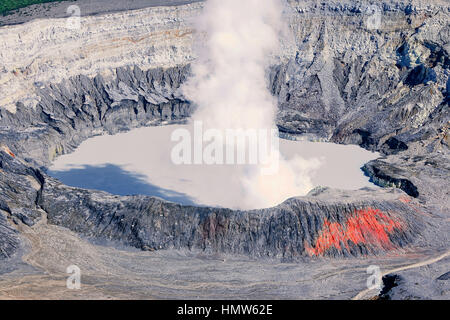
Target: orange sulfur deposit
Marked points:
7	150
367	226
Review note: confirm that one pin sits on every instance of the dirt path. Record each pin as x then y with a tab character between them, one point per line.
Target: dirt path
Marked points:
363	293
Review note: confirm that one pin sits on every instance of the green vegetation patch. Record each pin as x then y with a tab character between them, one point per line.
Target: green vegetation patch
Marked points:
6	6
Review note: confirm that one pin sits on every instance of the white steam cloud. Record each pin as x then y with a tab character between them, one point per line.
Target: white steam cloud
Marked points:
230	88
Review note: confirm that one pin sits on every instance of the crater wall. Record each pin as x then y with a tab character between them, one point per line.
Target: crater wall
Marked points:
385	89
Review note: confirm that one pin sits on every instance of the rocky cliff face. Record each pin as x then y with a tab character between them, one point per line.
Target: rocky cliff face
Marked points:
325	223
337	79
46	51
305	226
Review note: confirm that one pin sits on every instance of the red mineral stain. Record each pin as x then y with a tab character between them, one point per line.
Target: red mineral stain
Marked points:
6	149
367	226
404	199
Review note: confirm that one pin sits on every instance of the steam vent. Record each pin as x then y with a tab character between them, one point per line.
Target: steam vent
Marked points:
362	73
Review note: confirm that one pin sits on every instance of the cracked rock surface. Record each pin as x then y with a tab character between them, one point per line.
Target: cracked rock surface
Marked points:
385	90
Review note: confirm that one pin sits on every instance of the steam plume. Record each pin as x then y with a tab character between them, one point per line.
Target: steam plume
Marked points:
229	87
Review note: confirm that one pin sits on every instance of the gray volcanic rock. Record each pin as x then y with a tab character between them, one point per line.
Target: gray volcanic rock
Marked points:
404	284
10	239
387	88
87	8
445	276
288	231
285	231
81	107
386	175
19	190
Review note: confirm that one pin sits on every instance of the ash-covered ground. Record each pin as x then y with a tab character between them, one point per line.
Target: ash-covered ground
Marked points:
383	87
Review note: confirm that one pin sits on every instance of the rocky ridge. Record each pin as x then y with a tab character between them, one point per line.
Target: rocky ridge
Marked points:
384	89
